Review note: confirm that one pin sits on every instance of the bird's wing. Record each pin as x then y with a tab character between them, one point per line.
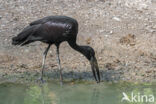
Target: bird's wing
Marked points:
40	21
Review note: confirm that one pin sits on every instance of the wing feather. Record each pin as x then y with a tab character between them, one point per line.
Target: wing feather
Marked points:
40	21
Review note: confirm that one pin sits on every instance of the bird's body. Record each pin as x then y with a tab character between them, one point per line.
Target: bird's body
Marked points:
54	30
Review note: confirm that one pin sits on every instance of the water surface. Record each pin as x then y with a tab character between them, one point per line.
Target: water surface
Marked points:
73	93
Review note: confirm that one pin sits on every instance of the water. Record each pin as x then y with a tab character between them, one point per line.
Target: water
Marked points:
74	93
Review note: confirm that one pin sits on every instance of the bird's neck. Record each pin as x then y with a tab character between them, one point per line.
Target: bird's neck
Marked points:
78	48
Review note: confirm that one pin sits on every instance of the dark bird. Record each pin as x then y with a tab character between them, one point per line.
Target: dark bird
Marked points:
54	30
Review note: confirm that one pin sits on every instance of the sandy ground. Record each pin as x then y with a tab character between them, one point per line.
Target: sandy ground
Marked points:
122	32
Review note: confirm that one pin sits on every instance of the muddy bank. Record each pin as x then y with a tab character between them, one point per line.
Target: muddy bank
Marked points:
123	34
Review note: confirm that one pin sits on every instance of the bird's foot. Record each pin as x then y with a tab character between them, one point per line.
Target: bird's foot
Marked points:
97	81
40	80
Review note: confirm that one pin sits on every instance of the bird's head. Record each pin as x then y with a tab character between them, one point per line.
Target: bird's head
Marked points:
90	55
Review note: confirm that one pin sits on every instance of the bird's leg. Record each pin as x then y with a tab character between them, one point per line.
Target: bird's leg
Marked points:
59	65
43	61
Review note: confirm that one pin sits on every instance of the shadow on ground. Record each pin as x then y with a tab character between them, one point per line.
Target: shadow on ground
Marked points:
106	75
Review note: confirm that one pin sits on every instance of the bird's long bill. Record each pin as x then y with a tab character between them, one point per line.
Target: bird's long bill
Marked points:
95	69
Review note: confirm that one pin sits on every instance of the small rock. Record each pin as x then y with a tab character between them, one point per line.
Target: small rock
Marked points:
110	66
116	18
100	58
88	41
128	40
16	19
101	31
150	29
154	27
111	32
26	50
149	71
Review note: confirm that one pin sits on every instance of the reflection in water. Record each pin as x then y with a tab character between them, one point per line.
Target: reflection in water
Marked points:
95	96
53	93
12	93
42	94
47	97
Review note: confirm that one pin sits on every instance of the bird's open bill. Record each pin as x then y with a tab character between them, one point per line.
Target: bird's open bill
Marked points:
95	69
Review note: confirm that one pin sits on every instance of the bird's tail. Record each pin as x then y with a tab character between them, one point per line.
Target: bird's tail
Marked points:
22	36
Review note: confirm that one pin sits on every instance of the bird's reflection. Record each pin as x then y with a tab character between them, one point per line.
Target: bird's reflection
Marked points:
52	97
95	96
42	93
47	96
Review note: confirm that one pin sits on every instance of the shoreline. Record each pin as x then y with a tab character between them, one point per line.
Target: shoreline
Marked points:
71	76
